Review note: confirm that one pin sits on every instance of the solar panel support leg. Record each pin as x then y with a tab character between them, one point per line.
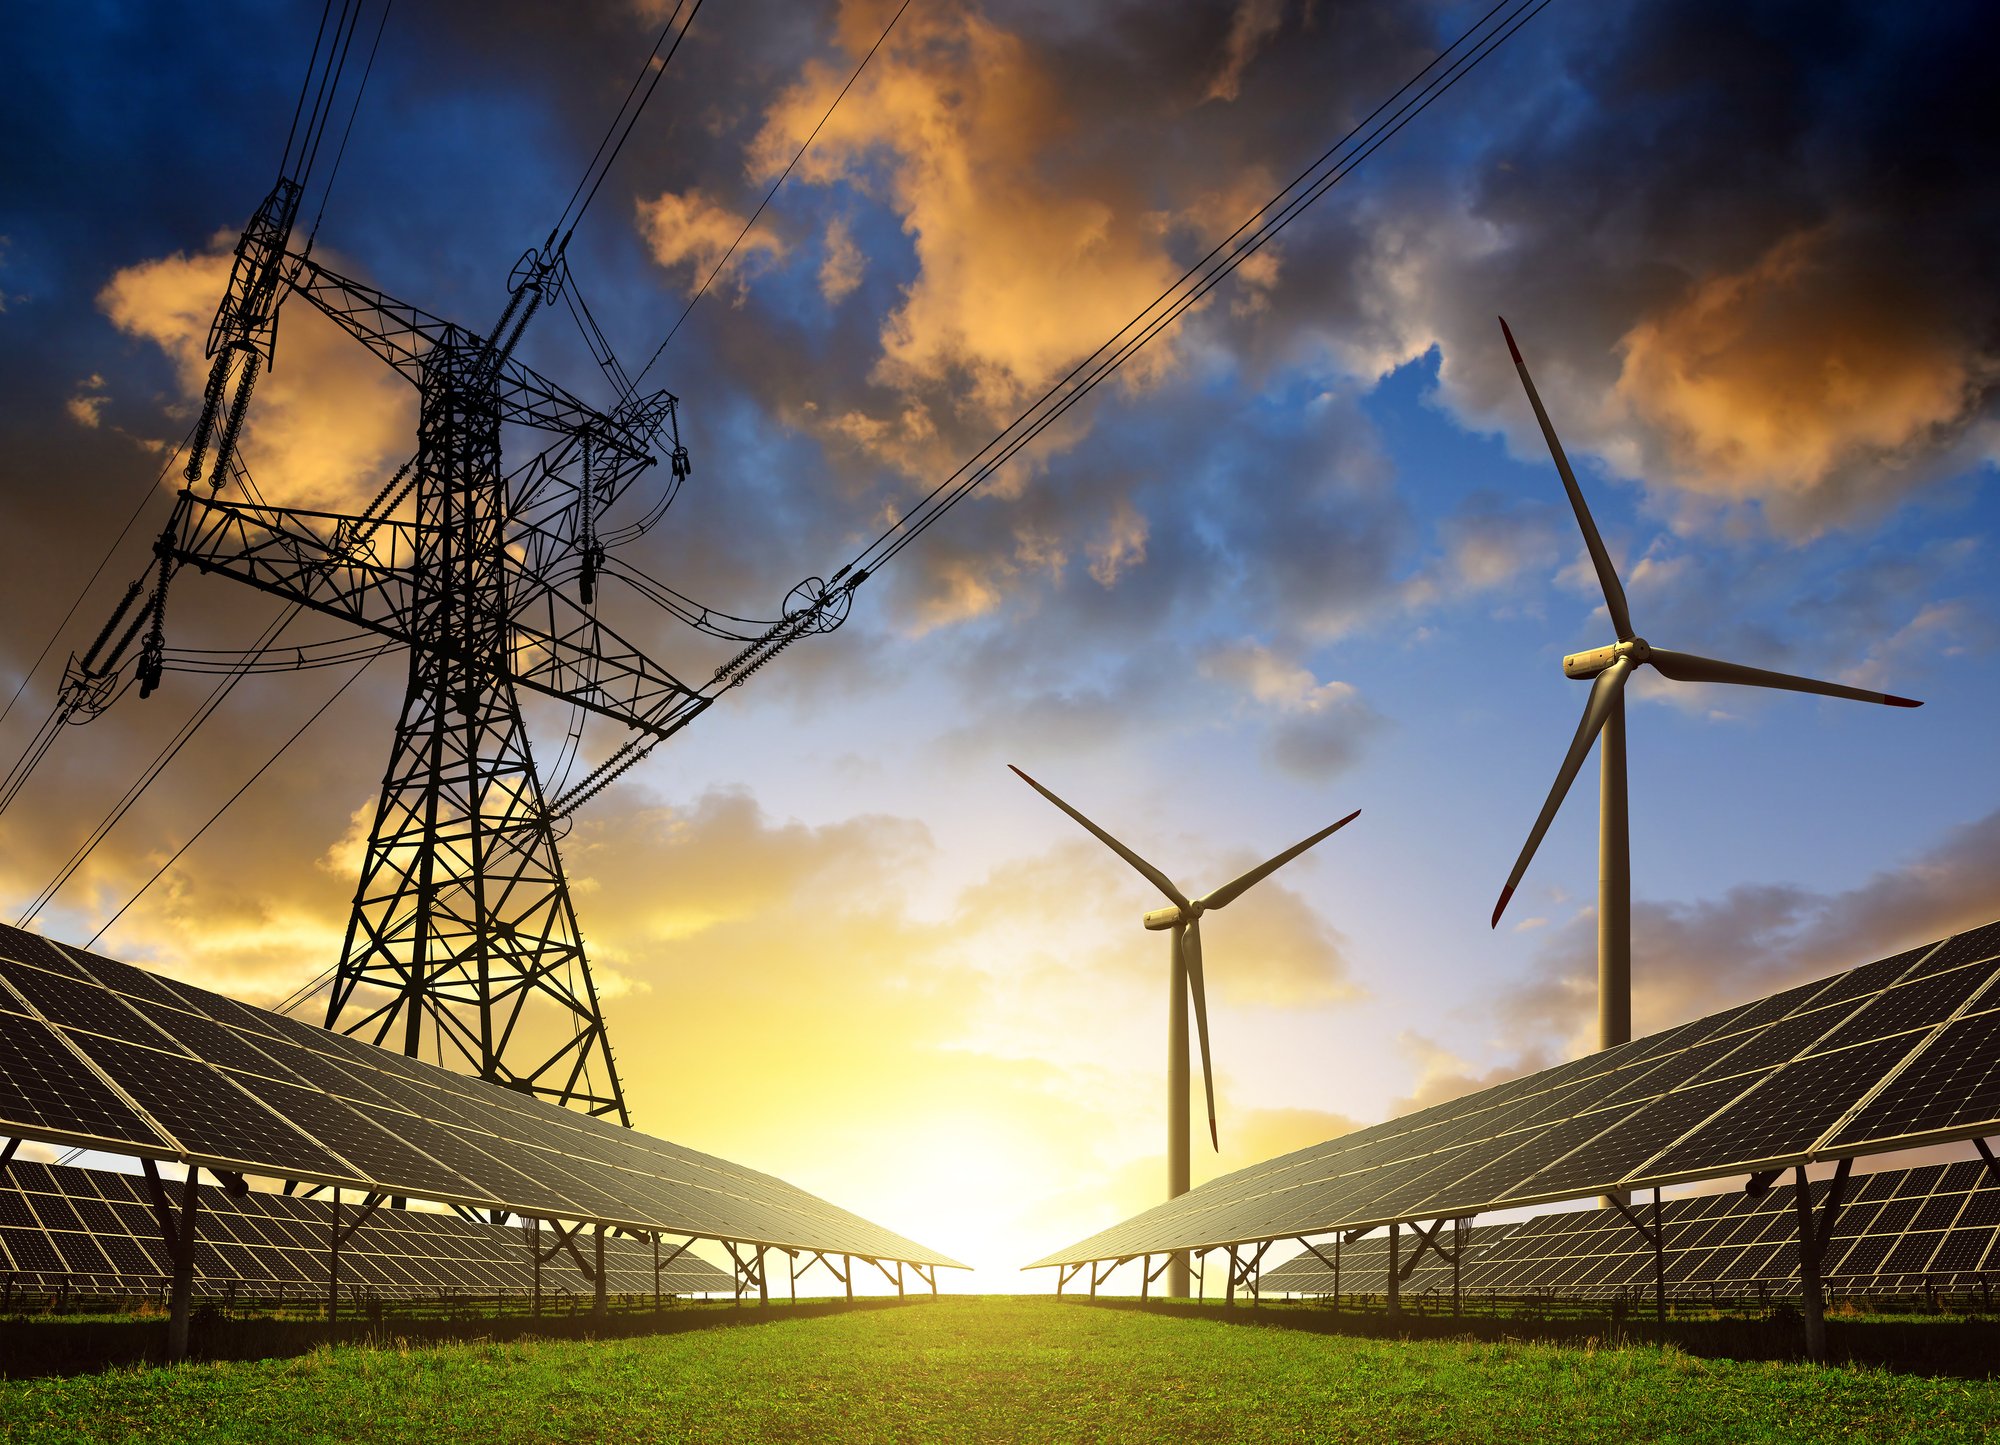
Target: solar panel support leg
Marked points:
333	1266
1814	1236
1395	1296
7	1154
535	1254
1659	1261
597	1284
1811	1305
847	1276
1457	1255
179	1309
1230	1297
1145	1279
899	1279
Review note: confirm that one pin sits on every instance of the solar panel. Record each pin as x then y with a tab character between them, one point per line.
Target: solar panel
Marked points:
57	1231
1938	1233
1893	1053
97	1053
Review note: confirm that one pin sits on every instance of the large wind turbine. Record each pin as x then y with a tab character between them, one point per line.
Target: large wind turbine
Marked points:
1607	669
1185	983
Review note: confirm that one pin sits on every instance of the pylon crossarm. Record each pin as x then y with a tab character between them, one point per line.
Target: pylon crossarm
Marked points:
541	493
555	647
405	336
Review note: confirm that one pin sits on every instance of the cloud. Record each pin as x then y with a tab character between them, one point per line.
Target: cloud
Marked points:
86	404
841	270
1250	30
1318	728
1786	381
1443	1076
327	423
1025	259
1690	959
696	232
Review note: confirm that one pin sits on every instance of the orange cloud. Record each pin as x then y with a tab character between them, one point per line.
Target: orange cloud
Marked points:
1022	268
693	231
1799	380
326	424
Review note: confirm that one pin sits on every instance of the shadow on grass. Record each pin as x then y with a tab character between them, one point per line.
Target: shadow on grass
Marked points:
55	1346
1967	1348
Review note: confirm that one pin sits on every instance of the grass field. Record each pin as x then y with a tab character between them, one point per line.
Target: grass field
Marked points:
997	1369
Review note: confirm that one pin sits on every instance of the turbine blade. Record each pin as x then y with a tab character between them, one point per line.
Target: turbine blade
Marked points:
1607	575
1146	870
1686	667
1604	693
1198	993
1229	892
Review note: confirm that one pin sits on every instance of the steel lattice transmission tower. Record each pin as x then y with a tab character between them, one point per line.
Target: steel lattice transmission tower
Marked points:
463	928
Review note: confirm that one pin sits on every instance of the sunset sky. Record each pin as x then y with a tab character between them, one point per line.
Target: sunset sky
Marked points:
1308	554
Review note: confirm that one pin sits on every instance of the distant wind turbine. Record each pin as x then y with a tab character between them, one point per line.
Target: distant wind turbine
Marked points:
1185	982
1608	668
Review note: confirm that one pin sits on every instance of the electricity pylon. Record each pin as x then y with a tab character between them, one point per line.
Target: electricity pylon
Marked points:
462	925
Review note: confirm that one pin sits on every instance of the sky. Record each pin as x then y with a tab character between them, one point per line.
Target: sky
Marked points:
1306	554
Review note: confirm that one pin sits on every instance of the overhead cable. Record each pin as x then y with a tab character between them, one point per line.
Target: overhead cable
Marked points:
195	837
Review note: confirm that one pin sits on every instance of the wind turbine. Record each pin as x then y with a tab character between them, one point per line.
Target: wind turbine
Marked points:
1185	983
1607	669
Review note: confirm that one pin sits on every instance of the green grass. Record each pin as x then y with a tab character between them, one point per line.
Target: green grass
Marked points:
997	1370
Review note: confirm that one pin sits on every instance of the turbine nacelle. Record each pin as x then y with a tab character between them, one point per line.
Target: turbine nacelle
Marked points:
1583	666
1164	918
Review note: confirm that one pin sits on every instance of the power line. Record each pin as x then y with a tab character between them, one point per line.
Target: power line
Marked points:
352	678
716	270
567	223
152	772
340	153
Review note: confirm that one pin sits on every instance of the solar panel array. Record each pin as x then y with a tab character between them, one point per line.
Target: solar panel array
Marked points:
1897	1231
1897	1053
97	1053
93	1231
